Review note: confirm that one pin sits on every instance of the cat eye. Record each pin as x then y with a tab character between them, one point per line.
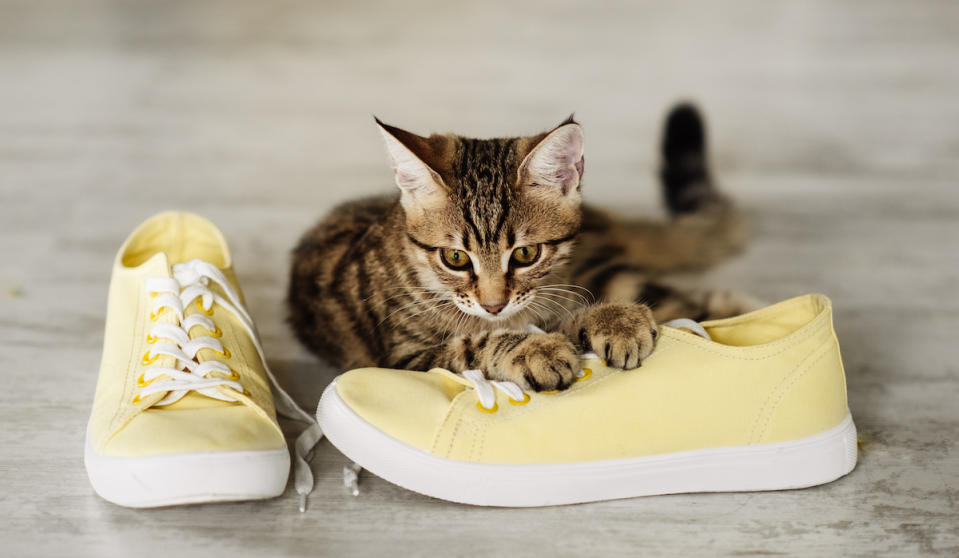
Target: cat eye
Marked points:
525	255
455	259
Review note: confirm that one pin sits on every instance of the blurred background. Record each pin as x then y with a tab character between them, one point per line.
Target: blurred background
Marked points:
835	124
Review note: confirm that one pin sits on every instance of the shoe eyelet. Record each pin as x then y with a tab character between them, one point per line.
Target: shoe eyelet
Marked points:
147	360
233	375
154	316
525	400
550	392
136	399
216	333
480	406
587	372
199	304
154	295
142	383
246	393
224	354
151	339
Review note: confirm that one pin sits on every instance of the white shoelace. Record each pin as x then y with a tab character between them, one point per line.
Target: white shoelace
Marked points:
190	282
485	388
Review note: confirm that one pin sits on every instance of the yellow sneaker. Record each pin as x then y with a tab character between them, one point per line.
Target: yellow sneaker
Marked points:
758	404
183	411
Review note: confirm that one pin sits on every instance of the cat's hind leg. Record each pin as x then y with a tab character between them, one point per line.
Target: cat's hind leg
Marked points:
622	283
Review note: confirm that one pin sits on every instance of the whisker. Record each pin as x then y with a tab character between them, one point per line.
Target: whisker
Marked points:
406	293
539	316
550	311
415	303
410	287
409	305
460	319
570	314
576	303
432	308
447	321
564	291
587	291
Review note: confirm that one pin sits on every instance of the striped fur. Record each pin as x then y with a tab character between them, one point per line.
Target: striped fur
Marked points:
368	284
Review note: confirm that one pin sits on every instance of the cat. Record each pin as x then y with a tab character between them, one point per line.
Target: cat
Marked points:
489	236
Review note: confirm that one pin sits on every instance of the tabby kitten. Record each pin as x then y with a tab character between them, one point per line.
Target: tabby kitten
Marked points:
489	236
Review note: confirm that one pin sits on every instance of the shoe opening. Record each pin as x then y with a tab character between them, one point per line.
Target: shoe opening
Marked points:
768	324
181	236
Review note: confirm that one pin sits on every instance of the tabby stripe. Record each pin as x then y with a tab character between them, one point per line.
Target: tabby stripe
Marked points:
469	221
652	294
370	319
404	361
566	238
504	212
412	335
598	257
468	355
426	247
481	343
510	341
344	299
426	357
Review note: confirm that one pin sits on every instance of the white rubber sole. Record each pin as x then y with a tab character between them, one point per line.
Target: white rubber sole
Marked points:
193	478
801	463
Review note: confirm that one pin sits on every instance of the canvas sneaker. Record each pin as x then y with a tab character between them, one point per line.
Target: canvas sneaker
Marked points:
754	402
183	410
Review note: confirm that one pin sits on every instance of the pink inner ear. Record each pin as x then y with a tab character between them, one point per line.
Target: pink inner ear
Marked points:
407	180
566	178
558	160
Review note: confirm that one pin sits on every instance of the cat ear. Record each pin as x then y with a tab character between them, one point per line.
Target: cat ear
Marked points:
418	183
557	160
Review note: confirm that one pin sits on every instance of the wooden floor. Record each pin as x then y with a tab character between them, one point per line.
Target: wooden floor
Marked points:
836	123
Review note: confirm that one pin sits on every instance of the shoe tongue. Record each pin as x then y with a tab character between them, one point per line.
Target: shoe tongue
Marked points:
194	400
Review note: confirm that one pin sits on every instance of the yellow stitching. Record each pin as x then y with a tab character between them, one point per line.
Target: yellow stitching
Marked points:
796	377
126	380
472	453
456	429
482	443
446	418
785	377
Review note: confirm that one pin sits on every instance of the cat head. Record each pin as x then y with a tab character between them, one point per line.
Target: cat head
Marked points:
491	222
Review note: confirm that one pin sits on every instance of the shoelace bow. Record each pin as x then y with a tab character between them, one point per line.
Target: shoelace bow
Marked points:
191	282
485	389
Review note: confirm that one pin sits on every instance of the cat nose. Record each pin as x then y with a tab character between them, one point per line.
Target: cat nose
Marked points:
493	308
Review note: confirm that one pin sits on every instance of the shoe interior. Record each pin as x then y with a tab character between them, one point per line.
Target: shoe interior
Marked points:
181	236
769	324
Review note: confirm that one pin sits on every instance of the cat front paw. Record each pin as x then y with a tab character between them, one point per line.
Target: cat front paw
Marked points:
541	362
622	334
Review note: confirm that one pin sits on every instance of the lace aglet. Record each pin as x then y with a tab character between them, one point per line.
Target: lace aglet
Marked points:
351	477
303	503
